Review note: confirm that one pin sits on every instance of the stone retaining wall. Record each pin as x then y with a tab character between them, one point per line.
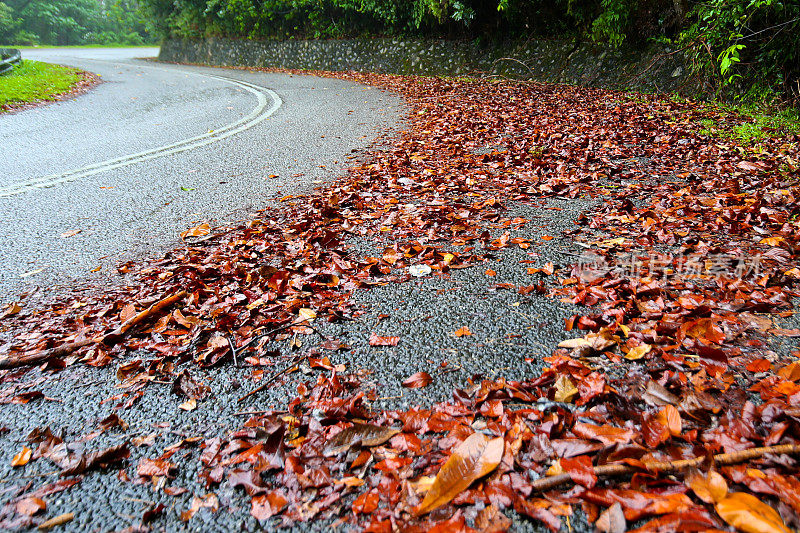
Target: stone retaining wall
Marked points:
654	69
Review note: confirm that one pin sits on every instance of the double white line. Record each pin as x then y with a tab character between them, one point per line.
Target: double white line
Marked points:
260	113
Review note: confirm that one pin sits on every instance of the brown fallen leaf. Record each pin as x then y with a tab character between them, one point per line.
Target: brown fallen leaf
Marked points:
59	520
418	380
359	434
30	506
565	389
612	520
267	505
474	458
747	513
377	340
154	467
11	309
70	233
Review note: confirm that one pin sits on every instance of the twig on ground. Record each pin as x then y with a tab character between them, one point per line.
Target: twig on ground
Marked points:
551	482
108	339
295	362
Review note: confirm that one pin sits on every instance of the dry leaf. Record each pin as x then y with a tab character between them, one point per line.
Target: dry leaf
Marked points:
418	380
565	389
70	233
306	314
462	332
377	340
59	520
22	458
638	352
359	434
612	520
670	418
747	513
198	231
710	488
474	458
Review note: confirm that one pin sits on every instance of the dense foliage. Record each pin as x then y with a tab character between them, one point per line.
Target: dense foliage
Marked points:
63	22
741	43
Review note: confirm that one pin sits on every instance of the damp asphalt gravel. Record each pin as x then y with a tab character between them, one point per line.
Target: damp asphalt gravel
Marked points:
74	233
510	336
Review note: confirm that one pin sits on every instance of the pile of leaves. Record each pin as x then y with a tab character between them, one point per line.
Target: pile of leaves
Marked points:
670	410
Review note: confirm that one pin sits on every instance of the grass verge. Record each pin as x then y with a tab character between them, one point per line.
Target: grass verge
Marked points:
32	81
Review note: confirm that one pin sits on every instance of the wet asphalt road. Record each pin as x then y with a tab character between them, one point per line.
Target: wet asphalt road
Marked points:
204	145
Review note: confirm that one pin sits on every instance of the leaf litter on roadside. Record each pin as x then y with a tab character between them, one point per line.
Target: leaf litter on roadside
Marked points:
690	257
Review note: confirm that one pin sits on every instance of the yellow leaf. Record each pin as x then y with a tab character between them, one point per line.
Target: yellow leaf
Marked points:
747	513
198	231
307	314
565	389
771	241
22	458
188	405
474	458
710	488
638	352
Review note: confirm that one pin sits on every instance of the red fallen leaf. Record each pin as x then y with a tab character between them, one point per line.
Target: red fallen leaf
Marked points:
366	503
790	372
22	458
98	459
418	380
26	397
153	513
55	487
154	467
209	501
781	332
376	340
747	513
606	434
250	480
197	231
475	457
547	237
490	272
320	362
759	365
30	506
696	519
703	328
580	470
455	524
670	417
393	463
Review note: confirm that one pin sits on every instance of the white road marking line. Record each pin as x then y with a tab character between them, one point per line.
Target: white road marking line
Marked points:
259	113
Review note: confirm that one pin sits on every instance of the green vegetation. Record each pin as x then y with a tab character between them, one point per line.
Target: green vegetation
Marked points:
749	125
749	48
69	22
32	81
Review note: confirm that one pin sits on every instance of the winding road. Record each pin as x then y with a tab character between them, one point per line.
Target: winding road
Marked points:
119	172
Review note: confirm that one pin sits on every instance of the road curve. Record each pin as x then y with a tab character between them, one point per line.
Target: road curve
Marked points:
119	172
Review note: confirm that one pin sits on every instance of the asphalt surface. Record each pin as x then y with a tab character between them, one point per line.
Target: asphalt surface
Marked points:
168	148
511	335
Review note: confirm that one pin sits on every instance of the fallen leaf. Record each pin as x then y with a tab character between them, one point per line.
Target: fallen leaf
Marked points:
418	380
198	231
359	434
474	458
154	467
565	389
747	513
11	309
30	506
22	458
612	520
638	352
267	505
376	340
462	332
188	405
70	233
59	520
711	487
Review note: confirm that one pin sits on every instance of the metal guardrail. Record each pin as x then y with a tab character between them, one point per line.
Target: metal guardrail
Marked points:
8	58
